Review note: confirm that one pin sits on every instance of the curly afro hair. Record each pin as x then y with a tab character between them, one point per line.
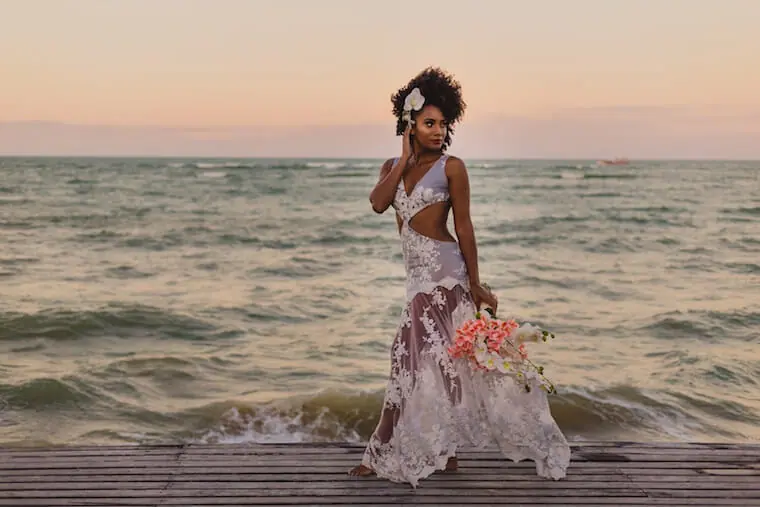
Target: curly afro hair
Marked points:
440	89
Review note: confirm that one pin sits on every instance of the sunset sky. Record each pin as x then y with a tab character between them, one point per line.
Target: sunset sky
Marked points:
551	78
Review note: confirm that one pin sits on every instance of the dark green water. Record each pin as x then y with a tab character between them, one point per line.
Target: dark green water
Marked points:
255	300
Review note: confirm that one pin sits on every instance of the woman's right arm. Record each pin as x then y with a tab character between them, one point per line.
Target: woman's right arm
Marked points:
382	195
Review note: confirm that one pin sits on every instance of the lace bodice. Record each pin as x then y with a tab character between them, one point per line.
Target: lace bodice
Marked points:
430	263
432	188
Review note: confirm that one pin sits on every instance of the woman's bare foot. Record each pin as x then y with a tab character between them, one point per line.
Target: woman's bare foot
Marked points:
452	465
361	471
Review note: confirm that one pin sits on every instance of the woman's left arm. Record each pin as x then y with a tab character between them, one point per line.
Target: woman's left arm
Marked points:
459	190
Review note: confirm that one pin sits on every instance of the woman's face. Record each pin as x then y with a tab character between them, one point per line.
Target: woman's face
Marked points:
430	128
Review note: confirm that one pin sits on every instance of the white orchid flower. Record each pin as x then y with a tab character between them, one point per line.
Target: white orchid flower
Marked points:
527	332
414	101
481	353
503	365
491	361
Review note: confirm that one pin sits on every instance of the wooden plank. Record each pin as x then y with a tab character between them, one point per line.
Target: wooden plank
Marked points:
511	501
313	446
379	490
463	486
301	449
383	495
331	501
270	449
462	483
230	451
344	458
460	476
390	500
302	473
51	467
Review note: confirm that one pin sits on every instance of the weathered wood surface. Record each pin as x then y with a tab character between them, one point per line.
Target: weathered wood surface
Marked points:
605	473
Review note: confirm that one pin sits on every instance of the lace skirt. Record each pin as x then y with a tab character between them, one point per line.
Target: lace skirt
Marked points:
434	406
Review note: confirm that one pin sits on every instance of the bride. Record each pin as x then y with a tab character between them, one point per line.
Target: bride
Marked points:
434	405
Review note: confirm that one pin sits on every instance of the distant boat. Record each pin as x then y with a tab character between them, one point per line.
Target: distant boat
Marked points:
614	161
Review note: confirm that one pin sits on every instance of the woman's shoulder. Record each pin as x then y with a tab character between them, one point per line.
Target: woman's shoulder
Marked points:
390	162
454	165
387	165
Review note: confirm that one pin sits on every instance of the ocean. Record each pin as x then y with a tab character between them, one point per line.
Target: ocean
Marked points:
251	300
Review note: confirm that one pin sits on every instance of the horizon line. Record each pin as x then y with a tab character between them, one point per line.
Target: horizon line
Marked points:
632	160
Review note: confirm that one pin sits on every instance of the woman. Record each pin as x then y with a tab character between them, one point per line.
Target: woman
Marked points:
433	405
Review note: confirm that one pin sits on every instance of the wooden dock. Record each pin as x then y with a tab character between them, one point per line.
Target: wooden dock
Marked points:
612	473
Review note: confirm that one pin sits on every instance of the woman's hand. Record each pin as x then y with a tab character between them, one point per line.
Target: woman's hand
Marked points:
483	295
406	144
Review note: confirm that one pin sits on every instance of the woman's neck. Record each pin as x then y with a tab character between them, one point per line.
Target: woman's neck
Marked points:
423	156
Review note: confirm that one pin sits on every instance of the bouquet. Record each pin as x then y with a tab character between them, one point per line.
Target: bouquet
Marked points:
491	344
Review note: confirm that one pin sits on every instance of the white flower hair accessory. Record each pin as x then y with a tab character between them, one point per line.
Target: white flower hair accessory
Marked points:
413	102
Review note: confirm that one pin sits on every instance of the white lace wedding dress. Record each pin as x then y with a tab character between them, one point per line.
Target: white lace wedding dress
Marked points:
433	405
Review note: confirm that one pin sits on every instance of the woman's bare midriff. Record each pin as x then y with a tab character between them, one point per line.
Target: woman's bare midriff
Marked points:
431	222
